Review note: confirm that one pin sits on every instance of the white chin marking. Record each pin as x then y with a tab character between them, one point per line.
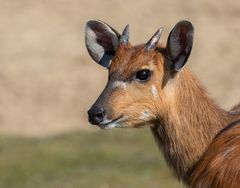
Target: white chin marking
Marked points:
111	126
120	84
154	92
106	121
106	124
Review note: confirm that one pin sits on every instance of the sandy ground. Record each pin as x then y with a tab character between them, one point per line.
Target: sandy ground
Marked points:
48	81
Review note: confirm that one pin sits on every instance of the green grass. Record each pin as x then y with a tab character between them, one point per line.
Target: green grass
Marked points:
101	159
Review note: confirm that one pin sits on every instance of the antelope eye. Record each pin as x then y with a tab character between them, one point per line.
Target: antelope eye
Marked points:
143	75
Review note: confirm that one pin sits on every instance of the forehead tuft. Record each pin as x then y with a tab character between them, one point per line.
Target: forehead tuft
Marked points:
130	58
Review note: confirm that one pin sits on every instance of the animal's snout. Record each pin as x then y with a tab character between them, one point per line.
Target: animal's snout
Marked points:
96	115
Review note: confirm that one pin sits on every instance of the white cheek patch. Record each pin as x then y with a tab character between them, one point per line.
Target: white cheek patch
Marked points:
154	92
145	115
120	84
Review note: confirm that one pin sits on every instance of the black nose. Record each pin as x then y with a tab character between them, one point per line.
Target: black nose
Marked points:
96	115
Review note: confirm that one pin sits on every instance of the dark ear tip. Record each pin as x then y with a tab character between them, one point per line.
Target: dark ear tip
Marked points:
94	22
101	24
185	24
179	44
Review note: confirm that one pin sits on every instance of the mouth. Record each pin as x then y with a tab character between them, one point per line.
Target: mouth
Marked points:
116	123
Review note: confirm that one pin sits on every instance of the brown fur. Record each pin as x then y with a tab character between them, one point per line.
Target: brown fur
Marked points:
182	117
219	167
190	122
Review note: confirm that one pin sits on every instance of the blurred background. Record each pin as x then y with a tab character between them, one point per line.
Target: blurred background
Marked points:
48	82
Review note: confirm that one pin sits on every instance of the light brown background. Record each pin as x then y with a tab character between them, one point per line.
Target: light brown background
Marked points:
48	81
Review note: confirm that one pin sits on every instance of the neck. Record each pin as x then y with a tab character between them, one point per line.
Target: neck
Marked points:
188	123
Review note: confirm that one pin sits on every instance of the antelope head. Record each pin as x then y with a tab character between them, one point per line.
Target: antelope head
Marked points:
140	77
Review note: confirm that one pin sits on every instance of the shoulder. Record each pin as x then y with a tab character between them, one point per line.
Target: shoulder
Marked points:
220	165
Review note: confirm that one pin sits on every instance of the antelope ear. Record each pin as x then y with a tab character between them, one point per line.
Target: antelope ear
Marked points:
179	45
101	41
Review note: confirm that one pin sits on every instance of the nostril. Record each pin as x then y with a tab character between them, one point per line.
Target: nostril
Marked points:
99	116
96	115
